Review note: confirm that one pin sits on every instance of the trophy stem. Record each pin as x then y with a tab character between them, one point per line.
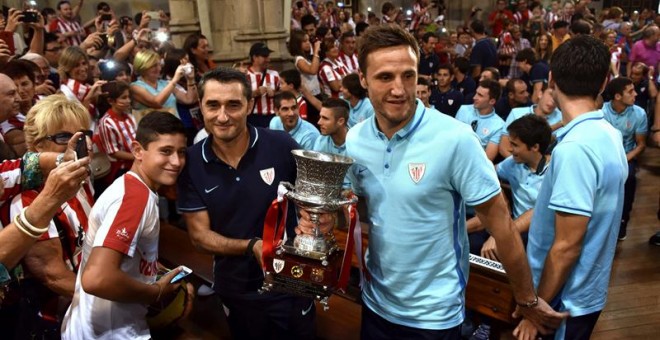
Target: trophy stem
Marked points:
315	218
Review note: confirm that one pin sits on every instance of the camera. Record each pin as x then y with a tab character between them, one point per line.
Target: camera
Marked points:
29	16
187	69
104	37
106	17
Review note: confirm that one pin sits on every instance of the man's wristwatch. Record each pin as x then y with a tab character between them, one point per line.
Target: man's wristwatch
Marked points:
531	304
249	250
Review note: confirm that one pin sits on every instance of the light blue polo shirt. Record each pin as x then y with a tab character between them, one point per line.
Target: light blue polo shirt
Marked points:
416	186
304	133
488	127
326	144
525	183
631	122
586	177
360	112
553	118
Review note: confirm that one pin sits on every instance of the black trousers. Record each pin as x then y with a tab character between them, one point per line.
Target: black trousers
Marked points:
578	328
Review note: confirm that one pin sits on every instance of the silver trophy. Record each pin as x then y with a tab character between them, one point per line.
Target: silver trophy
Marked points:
318	190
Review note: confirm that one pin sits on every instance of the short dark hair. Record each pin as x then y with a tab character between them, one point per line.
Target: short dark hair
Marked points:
49	38
531	130
428	35
339	107
351	83
282	96
477	26
360	27
110	73
63	2
447	67
494	88
306	20
348	34
511	84
617	86
158	123
580	27
172	61
115	89
19	68
462	64
386	8
494	71
225	75
423	81
527	55
580	65
48	11
560	24
192	41
102	6
292	76
384	36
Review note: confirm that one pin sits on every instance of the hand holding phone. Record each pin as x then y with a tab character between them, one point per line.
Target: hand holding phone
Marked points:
185	271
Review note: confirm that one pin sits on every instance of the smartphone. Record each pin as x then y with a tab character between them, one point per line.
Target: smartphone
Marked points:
29	16
106	17
104	37
81	147
154	23
55	79
8	38
185	271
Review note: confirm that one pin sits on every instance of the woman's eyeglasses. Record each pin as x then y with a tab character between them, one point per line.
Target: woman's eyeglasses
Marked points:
62	138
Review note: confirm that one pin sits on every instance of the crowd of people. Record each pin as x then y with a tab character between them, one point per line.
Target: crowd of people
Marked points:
103	120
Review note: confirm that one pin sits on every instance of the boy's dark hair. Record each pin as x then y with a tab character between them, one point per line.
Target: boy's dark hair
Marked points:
428	35
49	37
115	89
494	88
462	64
102	6
560	24
157	123
351	83
531	130
48	11
360	27
379	37
423	81
345	35
225	75
579	66
617	86
527	55
447	67
339	108
292	76
282	96
386	8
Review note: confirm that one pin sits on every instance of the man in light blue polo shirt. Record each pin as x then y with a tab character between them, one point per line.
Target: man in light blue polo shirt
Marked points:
332	122
631	121
288	120
412	170
356	96
576	218
482	118
546	108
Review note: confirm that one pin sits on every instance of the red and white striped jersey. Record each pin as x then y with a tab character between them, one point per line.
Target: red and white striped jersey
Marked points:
302	106
116	132
330	71
550	18
72	216
522	18
350	62
418	17
15	122
61	25
264	105
125	219
10	171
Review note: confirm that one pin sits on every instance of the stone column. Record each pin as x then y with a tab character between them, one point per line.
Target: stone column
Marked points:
185	20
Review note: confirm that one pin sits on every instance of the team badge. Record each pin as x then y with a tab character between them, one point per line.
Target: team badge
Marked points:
297	271
485	131
268	175
628	125
416	171
278	265
450	101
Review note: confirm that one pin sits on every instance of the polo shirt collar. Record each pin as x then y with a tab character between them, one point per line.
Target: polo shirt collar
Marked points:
295	130
593	115
490	114
207	151
409	128
608	107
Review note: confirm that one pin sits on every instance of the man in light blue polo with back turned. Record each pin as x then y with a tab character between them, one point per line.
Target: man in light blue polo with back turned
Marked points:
416	169
288	119
482	118
576	218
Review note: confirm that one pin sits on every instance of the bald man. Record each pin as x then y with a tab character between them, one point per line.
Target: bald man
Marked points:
9	98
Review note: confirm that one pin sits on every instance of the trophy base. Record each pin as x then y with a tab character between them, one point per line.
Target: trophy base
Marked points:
302	276
323	256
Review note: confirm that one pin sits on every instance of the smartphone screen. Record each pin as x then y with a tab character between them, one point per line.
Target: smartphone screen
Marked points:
81	147
185	271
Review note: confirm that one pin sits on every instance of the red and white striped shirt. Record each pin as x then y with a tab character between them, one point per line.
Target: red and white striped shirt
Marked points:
522	18
329	72
10	171
13	123
125	219
116	132
74	89
264	105
61	25
551	18
418	17
350	62
302	106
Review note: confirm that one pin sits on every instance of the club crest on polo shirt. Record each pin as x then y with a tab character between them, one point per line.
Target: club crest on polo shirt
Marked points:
485	131
122	234
416	171
268	175
278	265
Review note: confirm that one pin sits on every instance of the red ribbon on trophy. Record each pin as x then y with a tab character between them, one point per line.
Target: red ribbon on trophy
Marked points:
274	231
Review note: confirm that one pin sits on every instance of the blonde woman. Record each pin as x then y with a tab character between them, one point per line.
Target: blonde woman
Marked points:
151	92
53	261
73	68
